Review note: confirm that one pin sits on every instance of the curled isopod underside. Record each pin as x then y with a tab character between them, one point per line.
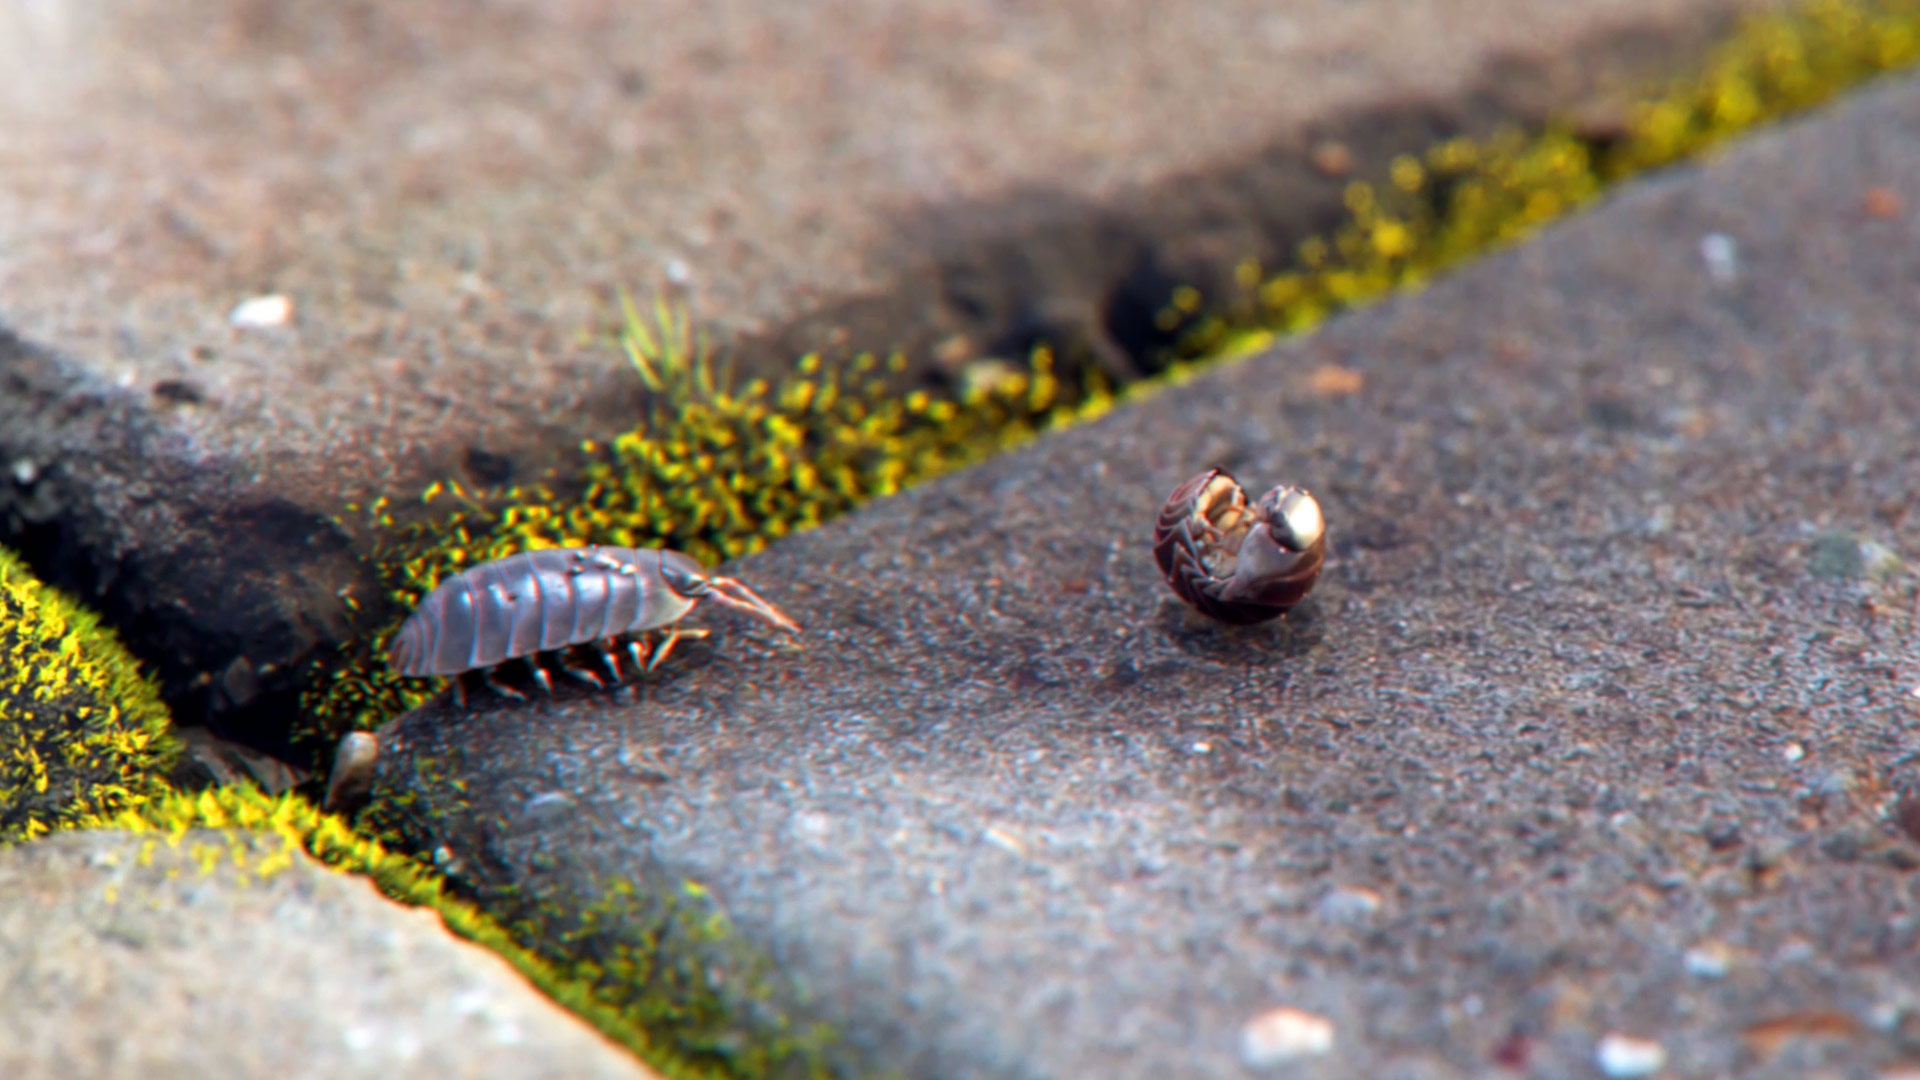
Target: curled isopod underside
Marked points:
1238	561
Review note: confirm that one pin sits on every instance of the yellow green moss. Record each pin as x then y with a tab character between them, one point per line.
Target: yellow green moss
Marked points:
600	992
82	729
1466	197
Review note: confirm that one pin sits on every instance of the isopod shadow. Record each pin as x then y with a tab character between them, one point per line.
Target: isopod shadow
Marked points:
1289	637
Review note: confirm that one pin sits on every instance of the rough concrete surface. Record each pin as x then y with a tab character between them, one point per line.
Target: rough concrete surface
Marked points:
1594	748
449	197
223	955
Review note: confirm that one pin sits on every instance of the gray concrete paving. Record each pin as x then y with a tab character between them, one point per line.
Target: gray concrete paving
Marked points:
1593	750
436	204
136	957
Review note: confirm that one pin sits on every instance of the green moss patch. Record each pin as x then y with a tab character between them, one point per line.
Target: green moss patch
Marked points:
82	729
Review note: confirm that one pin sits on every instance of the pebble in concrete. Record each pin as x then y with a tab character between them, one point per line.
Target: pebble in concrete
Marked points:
1281	1035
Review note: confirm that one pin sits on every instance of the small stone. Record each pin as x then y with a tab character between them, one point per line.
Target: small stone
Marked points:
1843	846
262	312
679	272
1793	752
1348	905
549	806
25	472
1881	202
1722	257
1284	1034
1006	840
1796	951
1625	1056
1836	556
1878	562
352	775
1709	960
1837	782
1332	158
1332	380
1722	834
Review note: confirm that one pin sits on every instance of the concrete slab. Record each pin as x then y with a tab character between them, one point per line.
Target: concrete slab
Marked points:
1592	754
269	258
139	957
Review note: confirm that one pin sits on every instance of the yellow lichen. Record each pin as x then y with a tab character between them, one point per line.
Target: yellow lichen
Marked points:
82	729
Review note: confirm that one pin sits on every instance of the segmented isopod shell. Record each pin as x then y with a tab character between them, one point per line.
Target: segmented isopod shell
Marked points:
538	601
1236	561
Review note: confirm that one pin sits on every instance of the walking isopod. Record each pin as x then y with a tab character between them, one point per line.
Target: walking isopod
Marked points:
1237	562
549	601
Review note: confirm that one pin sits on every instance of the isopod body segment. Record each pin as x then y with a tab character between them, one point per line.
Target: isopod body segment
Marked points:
544	601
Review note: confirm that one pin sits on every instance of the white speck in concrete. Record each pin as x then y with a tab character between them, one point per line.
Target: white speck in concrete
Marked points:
1793	752
473	999
1626	1056
813	826
1284	1034
25	471
262	312
1708	960
1722	256
1006	840
1349	905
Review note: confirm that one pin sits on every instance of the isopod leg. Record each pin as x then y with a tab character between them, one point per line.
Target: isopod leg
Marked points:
673	638
492	679
460	690
585	675
604	650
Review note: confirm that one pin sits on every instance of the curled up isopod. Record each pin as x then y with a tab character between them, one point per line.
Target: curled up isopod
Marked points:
1236	560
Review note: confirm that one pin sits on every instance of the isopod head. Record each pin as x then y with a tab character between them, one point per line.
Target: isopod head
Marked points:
1238	561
